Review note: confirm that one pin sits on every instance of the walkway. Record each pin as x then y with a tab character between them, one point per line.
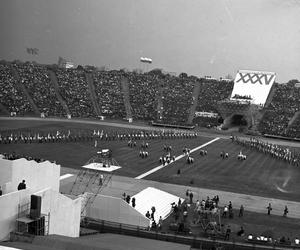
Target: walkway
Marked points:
131	186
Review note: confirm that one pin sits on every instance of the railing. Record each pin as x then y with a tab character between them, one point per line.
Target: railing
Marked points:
187	239
39	226
281	137
172	126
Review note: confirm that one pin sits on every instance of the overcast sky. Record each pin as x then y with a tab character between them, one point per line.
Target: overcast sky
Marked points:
199	37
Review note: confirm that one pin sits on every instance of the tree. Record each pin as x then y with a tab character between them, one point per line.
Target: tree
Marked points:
156	72
183	75
79	67
292	83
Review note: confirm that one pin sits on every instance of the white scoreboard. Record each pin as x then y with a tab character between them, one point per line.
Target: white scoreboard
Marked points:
253	84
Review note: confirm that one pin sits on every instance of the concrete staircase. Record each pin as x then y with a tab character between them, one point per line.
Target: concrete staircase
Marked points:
125	90
159	98
294	118
89	78
196	93
23	89
56	88
270	96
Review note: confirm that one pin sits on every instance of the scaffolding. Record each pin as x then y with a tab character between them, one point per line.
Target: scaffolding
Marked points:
210	221
33	226
89	182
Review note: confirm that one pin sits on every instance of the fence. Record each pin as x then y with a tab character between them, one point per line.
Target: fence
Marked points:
192	240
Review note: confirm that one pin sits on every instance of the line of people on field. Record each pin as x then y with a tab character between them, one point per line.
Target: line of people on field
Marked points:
274	150
59	136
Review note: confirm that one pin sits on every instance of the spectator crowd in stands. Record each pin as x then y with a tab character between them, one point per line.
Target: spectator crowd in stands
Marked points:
10	95
177	99
109	93
281	110
152	96
74	90
36	80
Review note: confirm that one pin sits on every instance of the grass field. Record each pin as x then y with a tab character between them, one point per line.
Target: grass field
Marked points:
258	175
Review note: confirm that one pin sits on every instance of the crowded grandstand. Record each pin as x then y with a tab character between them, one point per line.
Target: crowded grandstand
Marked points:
49	91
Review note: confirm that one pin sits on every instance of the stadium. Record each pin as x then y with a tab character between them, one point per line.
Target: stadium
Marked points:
67	122
98	158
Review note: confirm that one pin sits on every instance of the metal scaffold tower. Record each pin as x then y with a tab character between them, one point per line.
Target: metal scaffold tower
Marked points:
210	221
93	177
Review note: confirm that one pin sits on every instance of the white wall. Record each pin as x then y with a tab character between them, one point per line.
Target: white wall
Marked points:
116	210
37	175
42	179
64	212
5	175
9	210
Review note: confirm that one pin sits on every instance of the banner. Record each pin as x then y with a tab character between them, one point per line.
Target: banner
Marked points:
206	114
253	86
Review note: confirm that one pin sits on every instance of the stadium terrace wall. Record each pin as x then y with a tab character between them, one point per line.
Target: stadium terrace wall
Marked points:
193	241
171	126
281	137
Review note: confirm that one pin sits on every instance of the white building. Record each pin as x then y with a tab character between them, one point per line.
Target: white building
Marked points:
42	179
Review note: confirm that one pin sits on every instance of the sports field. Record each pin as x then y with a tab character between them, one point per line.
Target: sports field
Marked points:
259	175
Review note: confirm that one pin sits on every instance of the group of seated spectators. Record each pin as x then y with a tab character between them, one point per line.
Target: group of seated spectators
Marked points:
143	94
284	105
294	130
109	93
151	96
14	156
211	92
10	95
37	82
177	99
74	89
